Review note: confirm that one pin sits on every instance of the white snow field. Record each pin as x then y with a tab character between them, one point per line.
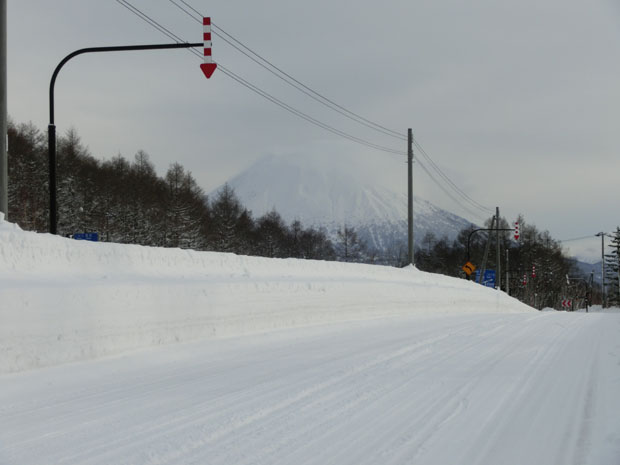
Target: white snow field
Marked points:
64	300
368	365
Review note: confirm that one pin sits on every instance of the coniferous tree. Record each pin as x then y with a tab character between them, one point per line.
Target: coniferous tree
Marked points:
28	195
612	267
314	244
128	203
116	194
145	206
76	174
226	215
185	209
350	247
272	236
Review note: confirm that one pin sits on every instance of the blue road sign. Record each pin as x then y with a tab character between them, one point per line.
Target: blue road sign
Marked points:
488	279
92	236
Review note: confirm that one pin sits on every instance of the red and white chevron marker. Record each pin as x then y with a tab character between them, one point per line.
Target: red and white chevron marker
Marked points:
208	67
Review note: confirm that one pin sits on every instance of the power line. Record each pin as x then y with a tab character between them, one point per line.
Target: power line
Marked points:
448	193
304	116
445	177
577	238
191	7
269	66
307	117
290	80
149	20
259	91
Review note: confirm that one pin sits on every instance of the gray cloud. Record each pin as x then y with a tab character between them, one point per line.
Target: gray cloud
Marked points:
518	102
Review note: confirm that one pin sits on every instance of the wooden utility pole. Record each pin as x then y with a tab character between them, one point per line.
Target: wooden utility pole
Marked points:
498	271
410	192
602	234
4	167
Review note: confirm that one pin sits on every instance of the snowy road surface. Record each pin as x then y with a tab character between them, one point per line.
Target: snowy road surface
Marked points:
536	389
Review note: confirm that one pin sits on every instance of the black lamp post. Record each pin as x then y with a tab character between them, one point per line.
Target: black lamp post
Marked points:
52	128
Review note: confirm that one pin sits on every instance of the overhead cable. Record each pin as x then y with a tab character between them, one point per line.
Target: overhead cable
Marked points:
284	76
308	118
451	184
269	66
258	90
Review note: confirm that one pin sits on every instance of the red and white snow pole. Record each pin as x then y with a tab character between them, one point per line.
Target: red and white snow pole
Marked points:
208	67
517	233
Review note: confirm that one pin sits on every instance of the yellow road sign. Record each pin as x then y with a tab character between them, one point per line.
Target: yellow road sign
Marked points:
469	268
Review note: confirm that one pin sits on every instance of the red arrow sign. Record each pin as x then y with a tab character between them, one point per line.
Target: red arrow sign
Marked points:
208	67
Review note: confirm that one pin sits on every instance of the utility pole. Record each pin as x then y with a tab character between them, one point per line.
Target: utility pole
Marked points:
4	166
498	272
507	276
602	234
410	192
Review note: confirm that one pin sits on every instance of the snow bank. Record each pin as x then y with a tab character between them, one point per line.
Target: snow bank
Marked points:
64	300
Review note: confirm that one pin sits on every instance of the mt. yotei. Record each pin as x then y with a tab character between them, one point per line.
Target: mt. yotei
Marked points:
333	191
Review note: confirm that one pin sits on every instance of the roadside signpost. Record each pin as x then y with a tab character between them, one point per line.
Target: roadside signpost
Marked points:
91	236
488	279
469	268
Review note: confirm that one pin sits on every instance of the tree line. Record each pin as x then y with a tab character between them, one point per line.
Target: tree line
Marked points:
127	202
612	269
539	272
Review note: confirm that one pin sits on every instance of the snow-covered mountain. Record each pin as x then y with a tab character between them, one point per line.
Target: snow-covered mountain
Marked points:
332	191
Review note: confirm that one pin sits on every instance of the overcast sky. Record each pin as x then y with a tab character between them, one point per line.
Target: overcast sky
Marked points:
518	102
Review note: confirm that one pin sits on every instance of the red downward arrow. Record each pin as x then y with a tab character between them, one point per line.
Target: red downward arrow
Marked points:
208	69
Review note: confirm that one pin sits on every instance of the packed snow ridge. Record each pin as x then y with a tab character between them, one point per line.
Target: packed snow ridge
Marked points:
64	300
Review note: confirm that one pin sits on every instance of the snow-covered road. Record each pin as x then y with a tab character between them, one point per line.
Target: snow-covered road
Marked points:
540	388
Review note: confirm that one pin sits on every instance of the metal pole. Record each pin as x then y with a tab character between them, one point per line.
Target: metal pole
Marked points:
499	257
51	147
4	166
603	267
52	128
602	234
507	277
475	231
410	193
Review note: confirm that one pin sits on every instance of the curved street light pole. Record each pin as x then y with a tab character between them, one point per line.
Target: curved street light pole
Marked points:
482	229
51	129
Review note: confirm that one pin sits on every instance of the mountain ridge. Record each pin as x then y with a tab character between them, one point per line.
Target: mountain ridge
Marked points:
331	191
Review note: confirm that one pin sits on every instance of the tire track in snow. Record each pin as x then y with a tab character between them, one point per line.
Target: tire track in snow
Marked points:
529	398
403	395
200	415
344	405
400	442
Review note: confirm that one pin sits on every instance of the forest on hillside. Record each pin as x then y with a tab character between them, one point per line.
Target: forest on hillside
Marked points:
125	201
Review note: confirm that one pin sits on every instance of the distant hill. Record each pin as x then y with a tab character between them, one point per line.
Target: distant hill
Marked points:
332	191
587	268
